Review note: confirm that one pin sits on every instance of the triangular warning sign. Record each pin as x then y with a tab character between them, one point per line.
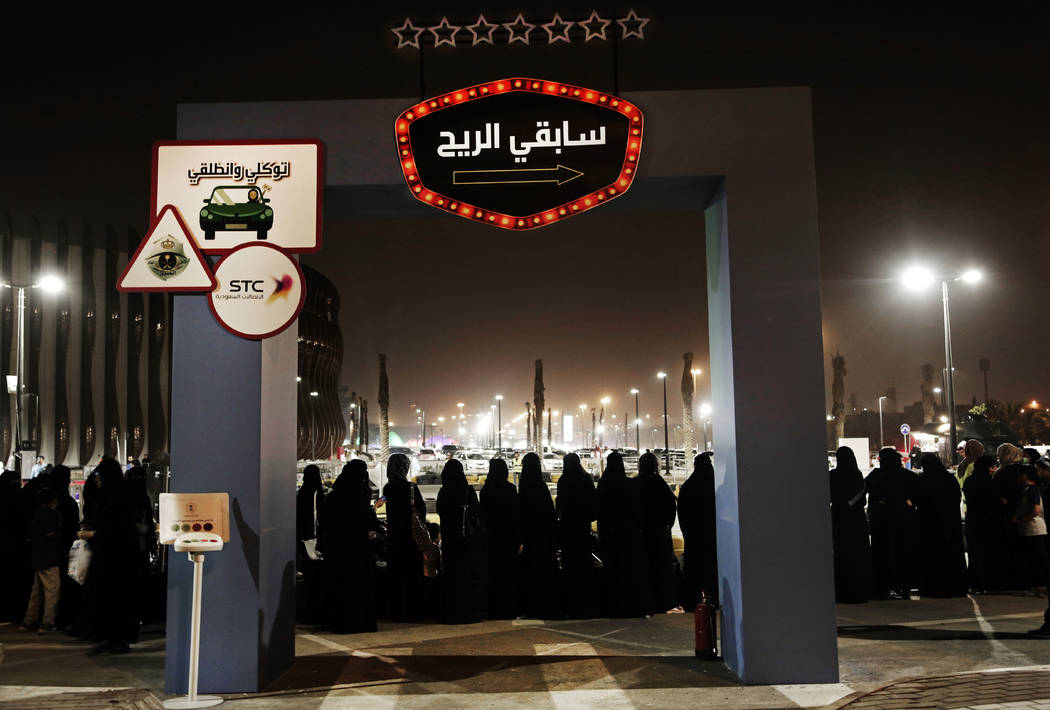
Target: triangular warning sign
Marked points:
168	259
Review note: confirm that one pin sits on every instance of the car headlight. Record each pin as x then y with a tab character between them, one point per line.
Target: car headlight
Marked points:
267	212
205	213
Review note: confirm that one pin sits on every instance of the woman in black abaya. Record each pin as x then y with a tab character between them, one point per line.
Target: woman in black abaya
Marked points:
405	591
985	537
348	522
696	517
540	588
308	503
110	531
620	520
577	507
851	549
499	513
658	514
464	548
943	559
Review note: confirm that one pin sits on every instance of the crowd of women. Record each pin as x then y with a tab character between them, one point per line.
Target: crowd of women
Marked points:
118	526
914	522
510	552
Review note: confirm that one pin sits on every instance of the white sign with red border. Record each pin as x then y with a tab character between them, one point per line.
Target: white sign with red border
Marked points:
260	293
167	259
231	193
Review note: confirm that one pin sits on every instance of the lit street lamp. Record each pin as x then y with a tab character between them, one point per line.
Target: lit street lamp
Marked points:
880	421
918	278
637	420
50	284
667	445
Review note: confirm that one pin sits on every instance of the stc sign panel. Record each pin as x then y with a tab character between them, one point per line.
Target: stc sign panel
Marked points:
519	153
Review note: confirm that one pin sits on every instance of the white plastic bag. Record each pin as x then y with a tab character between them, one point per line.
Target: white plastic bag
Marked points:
79	561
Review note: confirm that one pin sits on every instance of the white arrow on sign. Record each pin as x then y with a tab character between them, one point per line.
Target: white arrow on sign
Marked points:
905	429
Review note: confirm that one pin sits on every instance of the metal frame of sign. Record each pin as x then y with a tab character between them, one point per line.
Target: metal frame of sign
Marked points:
193	245
503	86
298	308
268	141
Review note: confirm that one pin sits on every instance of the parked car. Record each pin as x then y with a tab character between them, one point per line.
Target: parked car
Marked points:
552	463
476	464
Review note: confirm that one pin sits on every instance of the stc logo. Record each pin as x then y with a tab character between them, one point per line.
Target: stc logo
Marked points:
246	286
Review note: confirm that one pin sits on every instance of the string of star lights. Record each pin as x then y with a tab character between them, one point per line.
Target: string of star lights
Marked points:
483	31
544	217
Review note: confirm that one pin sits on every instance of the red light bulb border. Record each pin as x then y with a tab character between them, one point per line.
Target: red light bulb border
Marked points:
503	86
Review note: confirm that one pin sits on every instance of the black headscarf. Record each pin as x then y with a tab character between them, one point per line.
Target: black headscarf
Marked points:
397	468
533	491
454	482
614	472
889	458
982	467
351	489
311	479
498	473
846	460
572	469
648	465
932	465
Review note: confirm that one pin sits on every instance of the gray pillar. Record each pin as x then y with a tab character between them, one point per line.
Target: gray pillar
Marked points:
774	529
233	430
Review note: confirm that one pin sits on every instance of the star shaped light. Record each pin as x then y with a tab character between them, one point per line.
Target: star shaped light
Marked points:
485	35
444	33
407	29
561	25
595	26
522	33
637	23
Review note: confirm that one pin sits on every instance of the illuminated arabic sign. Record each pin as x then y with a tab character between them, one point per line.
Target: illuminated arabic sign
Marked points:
519	153
229	193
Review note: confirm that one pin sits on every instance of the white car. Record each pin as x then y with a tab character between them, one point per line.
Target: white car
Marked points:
475	464
552	463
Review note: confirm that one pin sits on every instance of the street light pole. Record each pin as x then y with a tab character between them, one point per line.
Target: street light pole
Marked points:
313	434
637	422
953	434
881	439
499	415
667	444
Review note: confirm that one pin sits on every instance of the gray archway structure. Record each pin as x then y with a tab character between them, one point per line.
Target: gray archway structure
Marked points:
232	430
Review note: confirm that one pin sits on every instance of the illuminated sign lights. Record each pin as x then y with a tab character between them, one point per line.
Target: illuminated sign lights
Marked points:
540	218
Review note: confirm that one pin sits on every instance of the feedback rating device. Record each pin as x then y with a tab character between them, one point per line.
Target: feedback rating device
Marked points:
194	523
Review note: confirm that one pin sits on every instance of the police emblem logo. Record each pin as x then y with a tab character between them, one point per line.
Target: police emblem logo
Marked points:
168	258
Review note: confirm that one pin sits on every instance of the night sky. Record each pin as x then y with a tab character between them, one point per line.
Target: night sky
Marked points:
930	145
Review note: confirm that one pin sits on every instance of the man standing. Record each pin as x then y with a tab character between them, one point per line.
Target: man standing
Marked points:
45	554
38	467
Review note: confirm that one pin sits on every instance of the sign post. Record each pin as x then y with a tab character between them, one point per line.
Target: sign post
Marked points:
194	523
906	430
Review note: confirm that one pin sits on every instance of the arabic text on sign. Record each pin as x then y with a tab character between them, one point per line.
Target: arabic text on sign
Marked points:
237	172
489	139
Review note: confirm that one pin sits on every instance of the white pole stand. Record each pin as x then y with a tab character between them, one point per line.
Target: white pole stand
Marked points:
192	700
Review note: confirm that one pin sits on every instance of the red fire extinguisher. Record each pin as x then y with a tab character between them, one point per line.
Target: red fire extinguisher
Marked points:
706	639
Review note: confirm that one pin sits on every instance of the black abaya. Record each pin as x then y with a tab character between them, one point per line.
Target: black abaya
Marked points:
499	512
849	530
620	520
348	570
658	514
696	518
404	587
893	494
540	585
985	533
464	556
943	558
576	509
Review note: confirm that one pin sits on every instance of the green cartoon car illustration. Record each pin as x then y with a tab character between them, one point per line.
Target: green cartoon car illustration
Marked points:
237	208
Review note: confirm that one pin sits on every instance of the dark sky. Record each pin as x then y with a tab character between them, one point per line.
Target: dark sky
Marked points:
930	142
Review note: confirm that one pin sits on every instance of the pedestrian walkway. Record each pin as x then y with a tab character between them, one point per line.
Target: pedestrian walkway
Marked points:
952	654
1023	689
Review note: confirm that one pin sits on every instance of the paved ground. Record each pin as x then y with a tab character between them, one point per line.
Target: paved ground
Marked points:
913	654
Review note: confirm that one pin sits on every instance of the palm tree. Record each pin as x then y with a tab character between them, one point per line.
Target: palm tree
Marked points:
929	404
838	393
538	406
687	407
384	411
